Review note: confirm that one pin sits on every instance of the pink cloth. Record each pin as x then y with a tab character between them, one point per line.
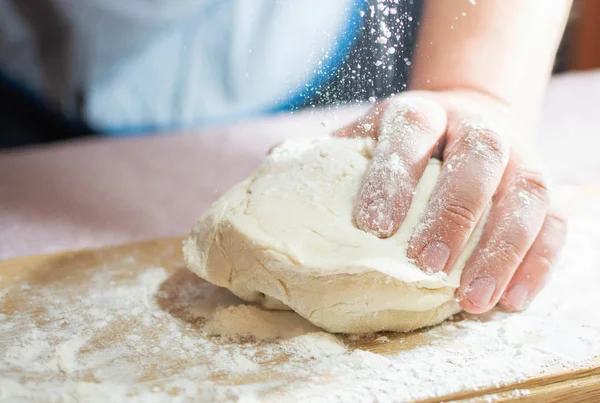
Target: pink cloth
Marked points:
109	191
114	190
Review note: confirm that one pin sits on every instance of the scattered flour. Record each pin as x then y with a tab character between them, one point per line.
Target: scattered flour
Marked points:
66	354
152	336
314	346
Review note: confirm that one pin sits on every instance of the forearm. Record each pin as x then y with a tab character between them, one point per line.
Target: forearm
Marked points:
503	48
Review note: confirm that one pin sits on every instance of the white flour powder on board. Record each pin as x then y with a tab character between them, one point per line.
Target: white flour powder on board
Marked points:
156	337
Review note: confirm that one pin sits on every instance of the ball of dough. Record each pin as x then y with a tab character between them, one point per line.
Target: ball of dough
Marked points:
285	238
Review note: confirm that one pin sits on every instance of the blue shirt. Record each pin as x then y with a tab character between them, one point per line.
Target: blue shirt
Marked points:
161	65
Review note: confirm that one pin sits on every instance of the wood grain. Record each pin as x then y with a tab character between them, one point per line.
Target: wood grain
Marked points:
73	268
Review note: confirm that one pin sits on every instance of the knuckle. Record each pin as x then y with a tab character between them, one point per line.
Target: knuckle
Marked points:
535	184
459	215
543	258
510	252
558	222
557	232
415	117
410	113
550	241
486	141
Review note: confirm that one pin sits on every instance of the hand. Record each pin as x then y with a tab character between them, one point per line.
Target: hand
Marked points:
486	163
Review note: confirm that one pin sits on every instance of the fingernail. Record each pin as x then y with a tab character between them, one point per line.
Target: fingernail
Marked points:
377	217
481	291
516	297
434	257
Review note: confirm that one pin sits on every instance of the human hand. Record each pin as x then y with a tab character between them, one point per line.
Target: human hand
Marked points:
487	162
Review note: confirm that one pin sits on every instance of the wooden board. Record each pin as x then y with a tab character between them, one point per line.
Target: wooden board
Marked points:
73	270
59	311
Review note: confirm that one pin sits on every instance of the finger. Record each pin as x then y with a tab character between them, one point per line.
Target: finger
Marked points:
474	162
532	274
513	224
409	129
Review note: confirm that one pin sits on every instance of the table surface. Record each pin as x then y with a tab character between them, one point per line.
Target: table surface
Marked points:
77	324
112	190
131	323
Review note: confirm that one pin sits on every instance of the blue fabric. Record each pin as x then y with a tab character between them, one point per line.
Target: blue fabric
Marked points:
299	98
127	76
344	45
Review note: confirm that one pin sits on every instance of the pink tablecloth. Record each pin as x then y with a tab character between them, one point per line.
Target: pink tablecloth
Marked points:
108	191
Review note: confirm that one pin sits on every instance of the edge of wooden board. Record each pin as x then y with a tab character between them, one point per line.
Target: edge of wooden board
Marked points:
565	387
574	386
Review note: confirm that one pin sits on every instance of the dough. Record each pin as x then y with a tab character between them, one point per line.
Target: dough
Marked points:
285	238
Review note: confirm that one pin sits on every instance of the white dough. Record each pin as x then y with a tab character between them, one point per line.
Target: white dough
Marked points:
285	238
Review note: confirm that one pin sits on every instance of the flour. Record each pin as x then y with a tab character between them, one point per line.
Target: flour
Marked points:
316	345
66	354
152	336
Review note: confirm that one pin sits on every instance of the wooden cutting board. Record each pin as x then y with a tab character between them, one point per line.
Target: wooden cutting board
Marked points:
39	292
